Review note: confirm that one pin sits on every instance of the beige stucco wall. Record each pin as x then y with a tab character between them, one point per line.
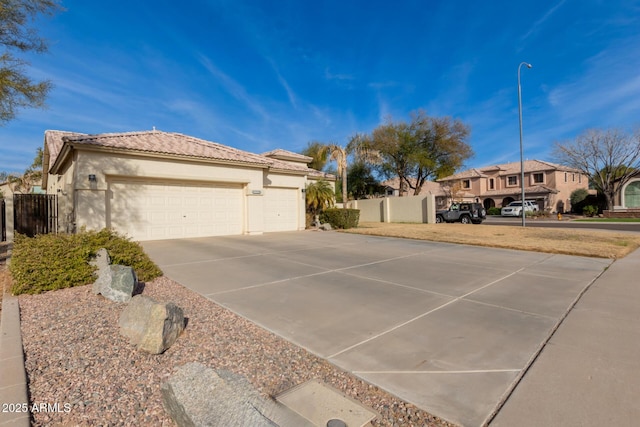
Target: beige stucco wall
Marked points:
371	210
421	209
86	202
574	181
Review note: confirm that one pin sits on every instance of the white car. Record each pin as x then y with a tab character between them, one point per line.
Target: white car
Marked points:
515	208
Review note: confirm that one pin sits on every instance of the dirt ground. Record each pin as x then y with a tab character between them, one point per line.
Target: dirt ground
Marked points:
592	243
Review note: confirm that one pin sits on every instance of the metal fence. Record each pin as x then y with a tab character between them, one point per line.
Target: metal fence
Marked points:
3	221
35	214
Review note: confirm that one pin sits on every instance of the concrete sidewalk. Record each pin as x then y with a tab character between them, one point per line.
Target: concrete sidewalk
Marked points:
589	372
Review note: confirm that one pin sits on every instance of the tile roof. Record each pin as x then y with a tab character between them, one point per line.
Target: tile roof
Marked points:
469	173
159	142
287	155
539	189
53	142
167	143
509	169
428	187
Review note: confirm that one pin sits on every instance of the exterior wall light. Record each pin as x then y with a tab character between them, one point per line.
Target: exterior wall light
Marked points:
92	178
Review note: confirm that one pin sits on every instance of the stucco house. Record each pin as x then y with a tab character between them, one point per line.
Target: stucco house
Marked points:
442	192
549	184
155	185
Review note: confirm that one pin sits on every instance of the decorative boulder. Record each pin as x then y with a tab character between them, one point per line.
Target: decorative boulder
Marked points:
151	326
115	282
102	259
199	396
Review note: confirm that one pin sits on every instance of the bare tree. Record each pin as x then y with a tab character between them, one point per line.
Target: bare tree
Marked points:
609	157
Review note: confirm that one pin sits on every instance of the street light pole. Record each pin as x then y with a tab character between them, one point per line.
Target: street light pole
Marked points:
521	150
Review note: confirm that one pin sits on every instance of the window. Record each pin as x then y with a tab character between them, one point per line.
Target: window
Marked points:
573	177
492	184
538	178
579	178
565	177
512	180
466	184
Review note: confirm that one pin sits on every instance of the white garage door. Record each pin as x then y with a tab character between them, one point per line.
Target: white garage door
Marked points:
168	210
281	209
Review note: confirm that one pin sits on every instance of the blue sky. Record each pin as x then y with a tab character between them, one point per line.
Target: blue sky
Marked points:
260	75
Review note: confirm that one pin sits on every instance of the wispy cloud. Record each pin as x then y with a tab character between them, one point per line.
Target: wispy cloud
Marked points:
234	88
341	77
540	22
284	83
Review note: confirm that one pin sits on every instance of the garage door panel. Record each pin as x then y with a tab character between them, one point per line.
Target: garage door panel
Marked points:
281	209
151	211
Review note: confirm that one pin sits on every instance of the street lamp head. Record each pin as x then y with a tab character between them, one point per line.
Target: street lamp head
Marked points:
528	65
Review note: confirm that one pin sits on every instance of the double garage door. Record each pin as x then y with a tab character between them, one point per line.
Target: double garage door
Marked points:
173	209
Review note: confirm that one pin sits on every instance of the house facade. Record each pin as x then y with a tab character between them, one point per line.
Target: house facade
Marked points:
548	184
160	185
442	192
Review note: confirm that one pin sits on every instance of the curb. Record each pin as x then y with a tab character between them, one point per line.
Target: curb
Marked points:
13	378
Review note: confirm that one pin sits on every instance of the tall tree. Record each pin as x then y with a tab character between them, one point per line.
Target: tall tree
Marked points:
339	154
360	181
424	148
317	151
609	157
17	90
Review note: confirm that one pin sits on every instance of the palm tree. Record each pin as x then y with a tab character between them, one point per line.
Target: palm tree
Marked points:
318	195
339	154
317	151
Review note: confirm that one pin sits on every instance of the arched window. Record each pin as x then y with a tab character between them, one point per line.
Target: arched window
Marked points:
631	195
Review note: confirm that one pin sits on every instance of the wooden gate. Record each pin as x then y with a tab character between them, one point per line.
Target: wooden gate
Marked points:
35	214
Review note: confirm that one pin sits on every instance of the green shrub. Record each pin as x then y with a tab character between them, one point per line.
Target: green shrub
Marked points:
493	211
340	218
589	210
56	261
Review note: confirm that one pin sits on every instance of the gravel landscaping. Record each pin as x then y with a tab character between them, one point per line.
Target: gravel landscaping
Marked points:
75	357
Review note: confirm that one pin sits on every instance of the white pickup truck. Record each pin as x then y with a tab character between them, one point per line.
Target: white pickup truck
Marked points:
515	208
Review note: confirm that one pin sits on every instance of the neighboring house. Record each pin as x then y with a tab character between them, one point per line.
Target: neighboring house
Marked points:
549	184
159	185
8	189
444	194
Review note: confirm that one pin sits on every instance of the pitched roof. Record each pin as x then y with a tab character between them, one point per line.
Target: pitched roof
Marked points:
428	186
281	154
53	143
166	143
469	173
535	189
158	142
509	169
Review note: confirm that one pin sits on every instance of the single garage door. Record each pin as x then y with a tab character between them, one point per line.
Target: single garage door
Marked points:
281	209
174	209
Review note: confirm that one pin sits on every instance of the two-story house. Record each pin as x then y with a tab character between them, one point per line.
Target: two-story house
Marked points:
548	184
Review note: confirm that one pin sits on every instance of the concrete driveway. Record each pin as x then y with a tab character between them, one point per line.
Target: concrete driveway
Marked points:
449	328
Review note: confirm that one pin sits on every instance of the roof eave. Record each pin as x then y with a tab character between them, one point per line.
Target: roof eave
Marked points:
155	154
